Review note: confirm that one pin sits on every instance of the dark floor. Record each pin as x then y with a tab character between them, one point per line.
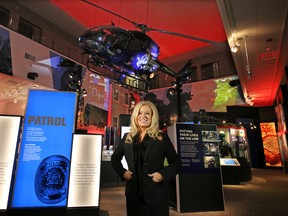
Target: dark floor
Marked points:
265	195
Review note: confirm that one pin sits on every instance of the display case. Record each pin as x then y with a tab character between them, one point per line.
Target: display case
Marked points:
236	137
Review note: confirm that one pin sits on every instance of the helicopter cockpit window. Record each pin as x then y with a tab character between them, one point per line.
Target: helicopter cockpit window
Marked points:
109	37
121	41
134	45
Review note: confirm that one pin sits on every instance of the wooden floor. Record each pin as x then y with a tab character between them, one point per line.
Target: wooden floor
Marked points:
265	195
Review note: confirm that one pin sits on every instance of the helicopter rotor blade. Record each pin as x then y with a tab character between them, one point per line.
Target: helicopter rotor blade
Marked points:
111	12
187	36
144	28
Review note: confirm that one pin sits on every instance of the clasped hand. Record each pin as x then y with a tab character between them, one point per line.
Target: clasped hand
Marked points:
128	175
156	177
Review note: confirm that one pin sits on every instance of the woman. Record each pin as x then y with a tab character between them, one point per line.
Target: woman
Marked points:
145	150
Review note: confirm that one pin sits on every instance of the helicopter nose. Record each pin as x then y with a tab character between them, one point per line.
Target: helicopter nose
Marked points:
82	39
83	42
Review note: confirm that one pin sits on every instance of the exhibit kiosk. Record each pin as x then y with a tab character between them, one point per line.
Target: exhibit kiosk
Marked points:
52	170
199	183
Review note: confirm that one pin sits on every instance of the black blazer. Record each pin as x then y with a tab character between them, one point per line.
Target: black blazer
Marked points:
156	152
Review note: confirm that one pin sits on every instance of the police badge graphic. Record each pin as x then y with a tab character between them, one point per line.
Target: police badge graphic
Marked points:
51	180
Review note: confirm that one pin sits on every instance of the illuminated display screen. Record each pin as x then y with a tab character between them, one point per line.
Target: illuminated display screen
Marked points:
85	171
44	160
212	95
229	162
9	133
270	145
124	129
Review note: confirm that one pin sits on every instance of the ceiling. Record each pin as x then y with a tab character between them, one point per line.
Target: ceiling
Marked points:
259	24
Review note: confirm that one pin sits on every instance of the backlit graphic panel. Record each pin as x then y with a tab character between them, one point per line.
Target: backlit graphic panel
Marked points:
44	160
9	133
85	171
270	144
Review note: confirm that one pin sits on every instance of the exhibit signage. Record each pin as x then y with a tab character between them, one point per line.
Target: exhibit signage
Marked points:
9	136
198	148
199	183
42	173
85	171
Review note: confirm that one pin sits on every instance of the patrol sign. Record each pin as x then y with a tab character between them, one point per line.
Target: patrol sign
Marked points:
42	173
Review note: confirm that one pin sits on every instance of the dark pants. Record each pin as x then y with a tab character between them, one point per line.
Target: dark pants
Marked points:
138	207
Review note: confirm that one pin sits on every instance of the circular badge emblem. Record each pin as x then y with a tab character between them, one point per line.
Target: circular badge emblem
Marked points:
51	179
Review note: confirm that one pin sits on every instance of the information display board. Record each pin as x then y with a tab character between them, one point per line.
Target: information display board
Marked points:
9	137
84	185
199	184
42	173
198	148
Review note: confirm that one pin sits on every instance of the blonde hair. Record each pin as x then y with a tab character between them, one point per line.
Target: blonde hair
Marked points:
152	130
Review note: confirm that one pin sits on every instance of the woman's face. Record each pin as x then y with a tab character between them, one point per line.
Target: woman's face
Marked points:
144	117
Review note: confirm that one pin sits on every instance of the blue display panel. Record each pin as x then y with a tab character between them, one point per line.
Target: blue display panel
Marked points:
42	173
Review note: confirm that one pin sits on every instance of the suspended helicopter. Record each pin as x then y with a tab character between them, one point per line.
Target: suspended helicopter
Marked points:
129	53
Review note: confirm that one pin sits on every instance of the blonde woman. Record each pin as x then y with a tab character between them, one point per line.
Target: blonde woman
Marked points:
145	149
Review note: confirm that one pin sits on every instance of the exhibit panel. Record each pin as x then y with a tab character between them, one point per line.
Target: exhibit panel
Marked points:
270	144
43	168
9	133
199	183
84	184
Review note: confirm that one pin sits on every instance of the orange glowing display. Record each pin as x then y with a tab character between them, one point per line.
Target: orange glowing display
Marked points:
270	144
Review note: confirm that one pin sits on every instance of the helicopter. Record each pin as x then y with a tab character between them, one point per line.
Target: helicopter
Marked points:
129	53
132	52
